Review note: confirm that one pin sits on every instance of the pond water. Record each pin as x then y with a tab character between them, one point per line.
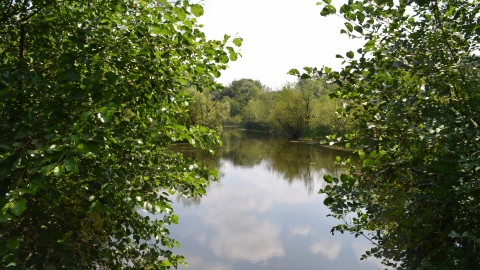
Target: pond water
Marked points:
264	212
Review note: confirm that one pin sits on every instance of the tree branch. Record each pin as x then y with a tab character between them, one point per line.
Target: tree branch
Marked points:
37	11
7	12
445	40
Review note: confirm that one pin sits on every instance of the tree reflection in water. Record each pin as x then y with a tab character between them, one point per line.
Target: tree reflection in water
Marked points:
292	160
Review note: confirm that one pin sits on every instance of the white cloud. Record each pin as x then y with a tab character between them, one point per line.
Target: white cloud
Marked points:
301	230
241	233
327	247
198	263
234	212
245	237
201	238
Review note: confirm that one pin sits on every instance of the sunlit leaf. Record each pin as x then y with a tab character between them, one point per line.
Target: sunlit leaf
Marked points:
19	206
237	42
349	26
328	178
197	10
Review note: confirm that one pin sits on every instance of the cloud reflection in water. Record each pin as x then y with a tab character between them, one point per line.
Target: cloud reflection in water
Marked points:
328	247
263	213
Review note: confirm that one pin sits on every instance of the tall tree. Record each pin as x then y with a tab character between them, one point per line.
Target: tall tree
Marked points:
257	111
292	111
240	92
414	90
90	99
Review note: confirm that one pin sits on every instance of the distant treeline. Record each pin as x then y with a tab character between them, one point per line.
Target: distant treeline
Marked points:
297	110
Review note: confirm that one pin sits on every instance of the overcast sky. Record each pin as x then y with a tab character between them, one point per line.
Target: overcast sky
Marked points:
278	35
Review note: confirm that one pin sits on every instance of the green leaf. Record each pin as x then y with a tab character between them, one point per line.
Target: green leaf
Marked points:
327	10
224	59
367	162
175	219
213	173
200	68
71	164
5	145
67	58
376	154
328	178
294	71
4	250
13	244
349	26
305	76
422	2
225	38
358	29
180	13
350	54
328	201
58	170
360	17
370	44
197	10
19	206
111	77
40	182
238	42
232	54
32	189
454	234
73	76
5	217
361	153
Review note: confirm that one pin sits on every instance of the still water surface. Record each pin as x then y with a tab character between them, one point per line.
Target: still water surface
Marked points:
264	212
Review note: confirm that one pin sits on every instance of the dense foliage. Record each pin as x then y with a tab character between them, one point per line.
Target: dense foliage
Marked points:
413	87
90	99
296	110
304	109
206	111
238	93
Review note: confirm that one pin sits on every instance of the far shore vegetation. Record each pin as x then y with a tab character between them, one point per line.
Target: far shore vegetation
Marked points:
301	110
